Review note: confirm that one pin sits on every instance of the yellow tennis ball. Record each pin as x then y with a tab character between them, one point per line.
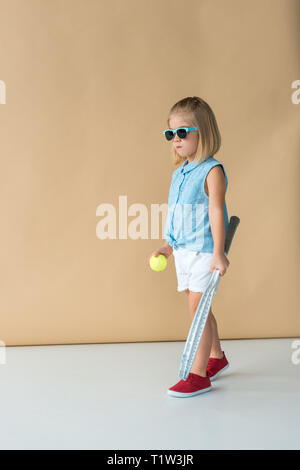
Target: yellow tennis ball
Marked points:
158	263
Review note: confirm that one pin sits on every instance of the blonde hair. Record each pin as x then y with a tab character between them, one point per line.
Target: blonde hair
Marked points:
201	115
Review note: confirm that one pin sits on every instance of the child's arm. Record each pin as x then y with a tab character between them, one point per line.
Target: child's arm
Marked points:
216	188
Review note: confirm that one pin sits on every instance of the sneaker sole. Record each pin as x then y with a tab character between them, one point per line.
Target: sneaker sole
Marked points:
219	372
191	394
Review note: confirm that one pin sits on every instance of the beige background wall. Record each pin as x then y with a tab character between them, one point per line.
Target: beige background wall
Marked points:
88	88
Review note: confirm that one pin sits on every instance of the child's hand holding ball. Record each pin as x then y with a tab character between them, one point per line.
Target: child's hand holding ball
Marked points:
158	263
158	260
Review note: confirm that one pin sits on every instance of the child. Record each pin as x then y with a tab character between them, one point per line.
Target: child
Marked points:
195	228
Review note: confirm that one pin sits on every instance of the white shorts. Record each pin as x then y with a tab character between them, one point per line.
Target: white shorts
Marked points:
192	269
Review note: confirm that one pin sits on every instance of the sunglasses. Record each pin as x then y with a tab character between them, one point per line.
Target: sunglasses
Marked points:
181	132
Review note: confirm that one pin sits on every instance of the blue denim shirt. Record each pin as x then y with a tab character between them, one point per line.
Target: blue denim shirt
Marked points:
187	224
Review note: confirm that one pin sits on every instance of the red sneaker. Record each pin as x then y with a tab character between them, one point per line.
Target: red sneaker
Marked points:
216	366
193	385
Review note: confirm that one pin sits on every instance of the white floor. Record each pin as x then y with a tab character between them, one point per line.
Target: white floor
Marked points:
114	396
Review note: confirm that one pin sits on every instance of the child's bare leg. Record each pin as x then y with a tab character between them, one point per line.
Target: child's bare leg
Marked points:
203	352
216	350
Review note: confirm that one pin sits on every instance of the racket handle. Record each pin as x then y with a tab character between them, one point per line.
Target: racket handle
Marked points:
231	228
